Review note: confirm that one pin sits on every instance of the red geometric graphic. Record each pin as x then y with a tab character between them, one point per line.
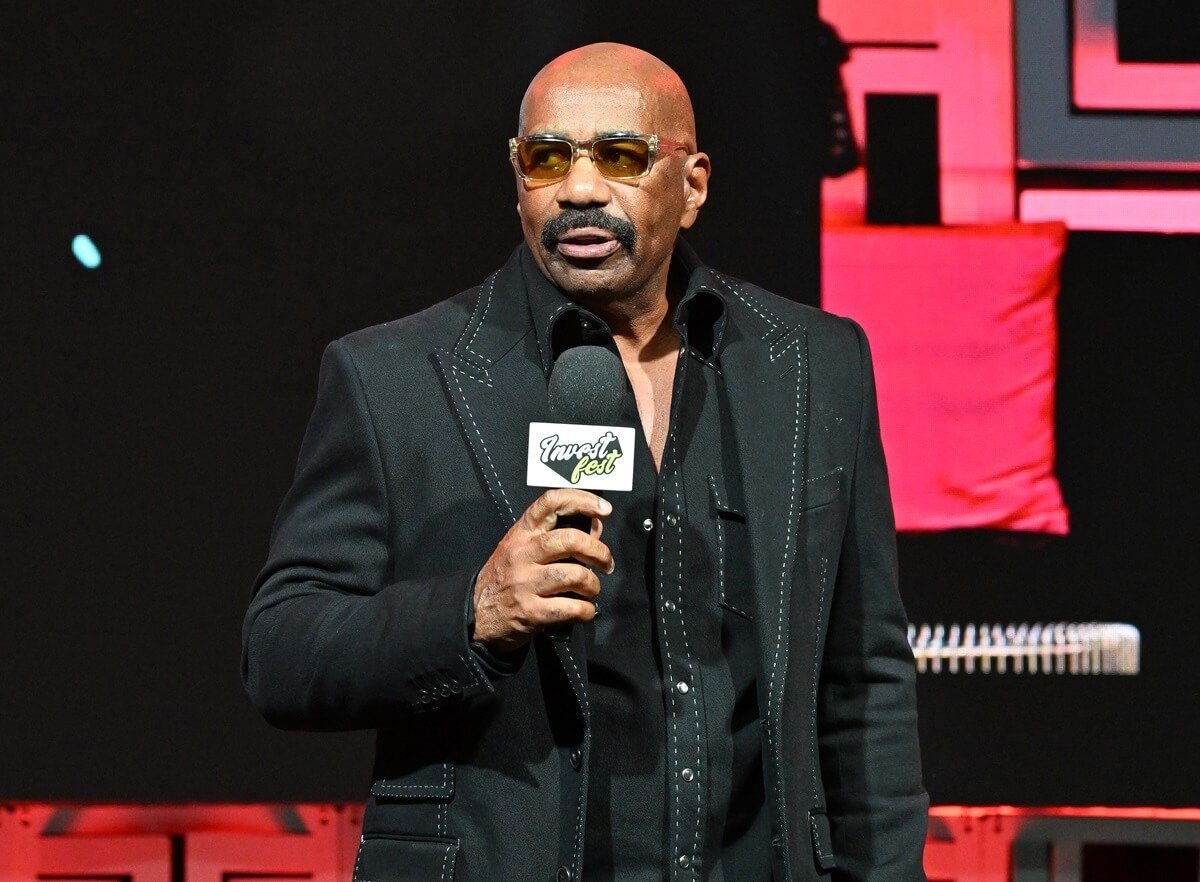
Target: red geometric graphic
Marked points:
962	327
959	50
1102	82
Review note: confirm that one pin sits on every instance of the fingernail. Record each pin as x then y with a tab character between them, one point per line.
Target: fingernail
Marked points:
605	506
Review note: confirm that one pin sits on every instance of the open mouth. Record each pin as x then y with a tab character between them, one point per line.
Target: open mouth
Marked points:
588	243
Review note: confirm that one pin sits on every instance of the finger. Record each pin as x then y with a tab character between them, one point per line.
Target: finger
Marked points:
568	542
597	528
556	610
543	512
565	578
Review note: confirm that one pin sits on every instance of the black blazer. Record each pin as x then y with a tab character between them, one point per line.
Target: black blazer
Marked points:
411	471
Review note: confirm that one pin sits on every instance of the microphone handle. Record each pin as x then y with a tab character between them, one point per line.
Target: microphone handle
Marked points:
582	523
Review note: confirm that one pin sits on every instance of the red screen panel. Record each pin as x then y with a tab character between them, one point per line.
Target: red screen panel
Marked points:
962	327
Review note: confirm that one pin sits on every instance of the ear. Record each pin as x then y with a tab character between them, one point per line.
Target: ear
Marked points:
696	172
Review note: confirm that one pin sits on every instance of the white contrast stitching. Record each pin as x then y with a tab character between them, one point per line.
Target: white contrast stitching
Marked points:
816	662
743	296
483	377
744	612
776	681
712	483
586	738
458	344
473	667
465	356
358	859
672	770
668	673
507	506
772	354
481	314
447	862
695	865
482	380
445	785
836	471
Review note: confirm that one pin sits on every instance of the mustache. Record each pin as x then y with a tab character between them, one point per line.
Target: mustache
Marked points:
574	218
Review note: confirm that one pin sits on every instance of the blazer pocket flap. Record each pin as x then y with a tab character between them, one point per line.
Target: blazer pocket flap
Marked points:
735	586
724	502
434	781
384	858
822	489
822	837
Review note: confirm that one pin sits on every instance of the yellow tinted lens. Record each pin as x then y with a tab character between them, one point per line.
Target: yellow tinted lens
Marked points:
621	157
544	158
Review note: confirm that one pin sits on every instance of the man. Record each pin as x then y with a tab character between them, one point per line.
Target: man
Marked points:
734	697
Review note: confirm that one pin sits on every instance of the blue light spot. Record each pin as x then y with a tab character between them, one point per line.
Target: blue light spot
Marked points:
85	251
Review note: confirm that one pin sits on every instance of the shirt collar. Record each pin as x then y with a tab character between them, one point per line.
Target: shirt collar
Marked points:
560	323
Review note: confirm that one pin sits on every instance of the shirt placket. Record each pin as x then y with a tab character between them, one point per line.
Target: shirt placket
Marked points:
684	699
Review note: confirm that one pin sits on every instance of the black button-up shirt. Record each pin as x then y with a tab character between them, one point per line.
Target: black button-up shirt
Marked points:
675	787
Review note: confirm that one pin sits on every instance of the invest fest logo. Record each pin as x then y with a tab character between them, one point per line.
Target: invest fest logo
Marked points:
577	460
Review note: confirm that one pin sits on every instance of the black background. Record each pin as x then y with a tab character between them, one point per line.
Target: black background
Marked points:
260	179
1157	32
260	182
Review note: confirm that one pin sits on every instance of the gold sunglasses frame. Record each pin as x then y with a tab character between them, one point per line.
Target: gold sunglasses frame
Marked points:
577	147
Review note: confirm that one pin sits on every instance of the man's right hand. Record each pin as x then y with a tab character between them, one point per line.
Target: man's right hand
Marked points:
519	591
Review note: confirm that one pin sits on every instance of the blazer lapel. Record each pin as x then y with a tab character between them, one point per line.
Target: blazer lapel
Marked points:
496	393
765	367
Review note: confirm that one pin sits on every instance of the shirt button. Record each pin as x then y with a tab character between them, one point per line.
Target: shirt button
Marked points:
672	520
685	861
682	687
669	606
563	875
647	525
576	759
687	774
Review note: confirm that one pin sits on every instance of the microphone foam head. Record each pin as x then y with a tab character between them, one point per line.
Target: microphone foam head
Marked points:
587	385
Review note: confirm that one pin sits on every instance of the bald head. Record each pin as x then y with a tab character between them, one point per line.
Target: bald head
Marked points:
601	79
608	239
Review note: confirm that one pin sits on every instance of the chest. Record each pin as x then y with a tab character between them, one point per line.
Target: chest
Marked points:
653	382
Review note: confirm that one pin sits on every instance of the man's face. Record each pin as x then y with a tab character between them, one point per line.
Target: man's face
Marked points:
608	237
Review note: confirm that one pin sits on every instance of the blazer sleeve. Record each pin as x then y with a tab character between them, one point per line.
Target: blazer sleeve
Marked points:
328	642
870	757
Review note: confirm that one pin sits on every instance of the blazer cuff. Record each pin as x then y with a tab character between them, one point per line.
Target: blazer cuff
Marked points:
497	665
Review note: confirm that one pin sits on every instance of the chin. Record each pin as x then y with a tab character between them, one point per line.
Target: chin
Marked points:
587	282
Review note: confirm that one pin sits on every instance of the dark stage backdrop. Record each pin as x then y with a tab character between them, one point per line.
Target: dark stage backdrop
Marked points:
260	179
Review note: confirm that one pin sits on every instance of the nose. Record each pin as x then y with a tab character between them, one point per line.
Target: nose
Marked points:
583	185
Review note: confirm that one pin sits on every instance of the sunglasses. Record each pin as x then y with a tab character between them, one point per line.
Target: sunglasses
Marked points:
617	157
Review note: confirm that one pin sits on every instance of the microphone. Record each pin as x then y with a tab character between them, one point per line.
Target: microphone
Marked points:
587	385
582	448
